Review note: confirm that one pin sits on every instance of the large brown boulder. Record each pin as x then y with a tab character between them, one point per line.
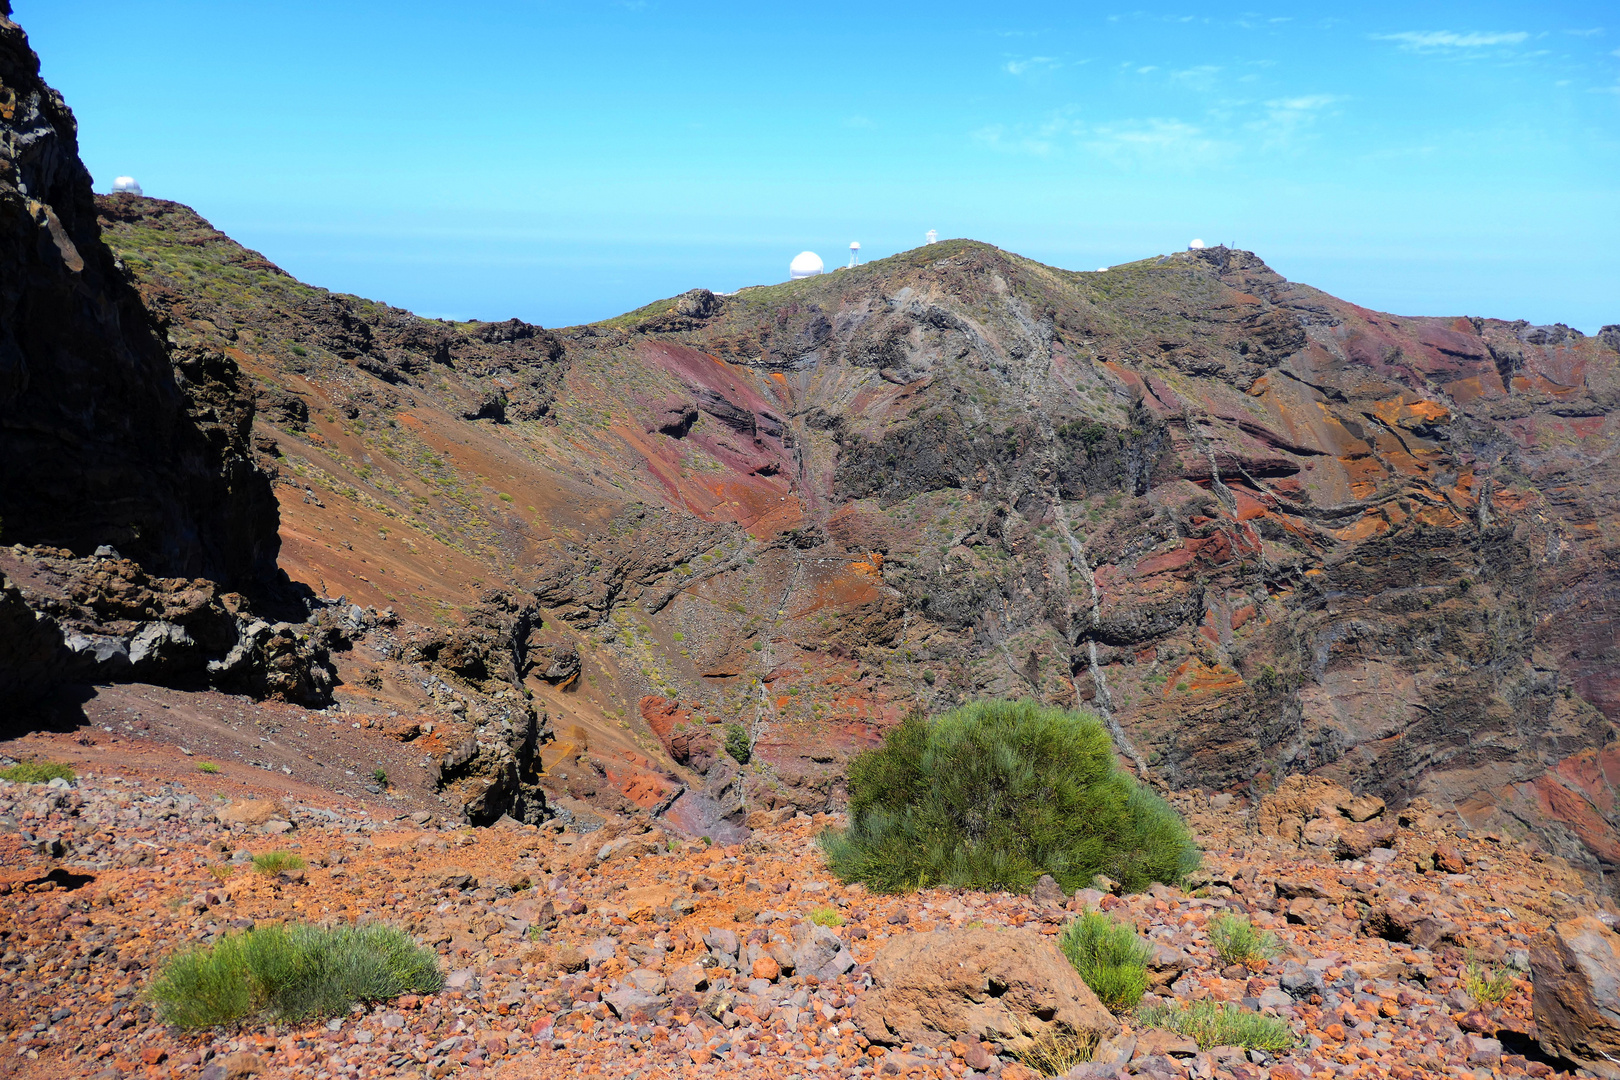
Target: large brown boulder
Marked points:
1299	801
251	812
1001	986
1575	966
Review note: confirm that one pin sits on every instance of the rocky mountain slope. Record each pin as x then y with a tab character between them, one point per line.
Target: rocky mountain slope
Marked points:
1260	529
630	951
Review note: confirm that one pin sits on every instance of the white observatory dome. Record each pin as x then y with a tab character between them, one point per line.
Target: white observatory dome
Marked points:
805	264
126	183
1196	245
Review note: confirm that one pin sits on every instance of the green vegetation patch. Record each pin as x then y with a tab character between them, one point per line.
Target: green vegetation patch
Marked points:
1486	985
274	862
1212	1023
738	744
996	793
292	973
36	772
1236	941
1110	957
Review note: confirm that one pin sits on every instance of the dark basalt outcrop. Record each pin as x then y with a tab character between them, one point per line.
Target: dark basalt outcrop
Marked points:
119	447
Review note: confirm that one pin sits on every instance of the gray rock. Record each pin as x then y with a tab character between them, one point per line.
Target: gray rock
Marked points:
1575	968
629	1003
721	942
1047	891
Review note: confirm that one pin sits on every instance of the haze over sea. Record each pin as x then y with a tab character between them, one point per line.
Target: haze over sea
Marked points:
564	162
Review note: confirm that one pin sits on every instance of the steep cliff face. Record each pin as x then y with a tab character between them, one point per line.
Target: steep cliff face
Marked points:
115	438
1262	530
106	437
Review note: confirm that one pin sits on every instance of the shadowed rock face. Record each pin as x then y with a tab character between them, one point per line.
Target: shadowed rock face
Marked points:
140	527
107	436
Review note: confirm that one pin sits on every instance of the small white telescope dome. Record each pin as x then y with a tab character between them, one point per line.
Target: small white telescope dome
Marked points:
1196	245
932	236
126	183
854	252
805	264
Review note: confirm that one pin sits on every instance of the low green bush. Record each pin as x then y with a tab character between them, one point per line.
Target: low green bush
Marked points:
1236	941
36	772
292	973
996	793
1486	985
274	862
826	917
1110	958
1211	1023
738	745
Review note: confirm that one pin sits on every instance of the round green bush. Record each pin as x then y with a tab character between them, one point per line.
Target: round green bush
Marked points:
291	973
996	793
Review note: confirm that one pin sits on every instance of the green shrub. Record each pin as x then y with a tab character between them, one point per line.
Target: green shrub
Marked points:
36	772
1489	986
1211	1023
997	793
207	767
1236	941
292	973
1109	957
274	862
826	917
738	744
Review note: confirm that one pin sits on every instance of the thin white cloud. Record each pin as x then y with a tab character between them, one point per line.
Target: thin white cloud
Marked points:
1285	119
1198	78
1032	63
1450	39
1150	69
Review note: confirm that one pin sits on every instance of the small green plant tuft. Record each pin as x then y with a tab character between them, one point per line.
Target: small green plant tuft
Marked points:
826	917
290	973
274	862
36	772
1055	1051
738	745
207	767
1486	985
379	777
1236	941
1211	1023
1110	958
996	793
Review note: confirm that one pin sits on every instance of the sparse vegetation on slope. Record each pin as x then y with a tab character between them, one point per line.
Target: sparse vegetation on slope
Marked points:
1211	1023
997	793
290	973
1236	941
36	772
1110	957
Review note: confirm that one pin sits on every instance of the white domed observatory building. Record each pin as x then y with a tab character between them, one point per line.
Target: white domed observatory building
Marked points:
805	264
126	184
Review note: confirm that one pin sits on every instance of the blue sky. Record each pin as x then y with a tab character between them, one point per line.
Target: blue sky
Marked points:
567	161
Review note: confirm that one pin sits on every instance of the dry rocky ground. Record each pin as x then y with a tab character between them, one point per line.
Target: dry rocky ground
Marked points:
627	952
